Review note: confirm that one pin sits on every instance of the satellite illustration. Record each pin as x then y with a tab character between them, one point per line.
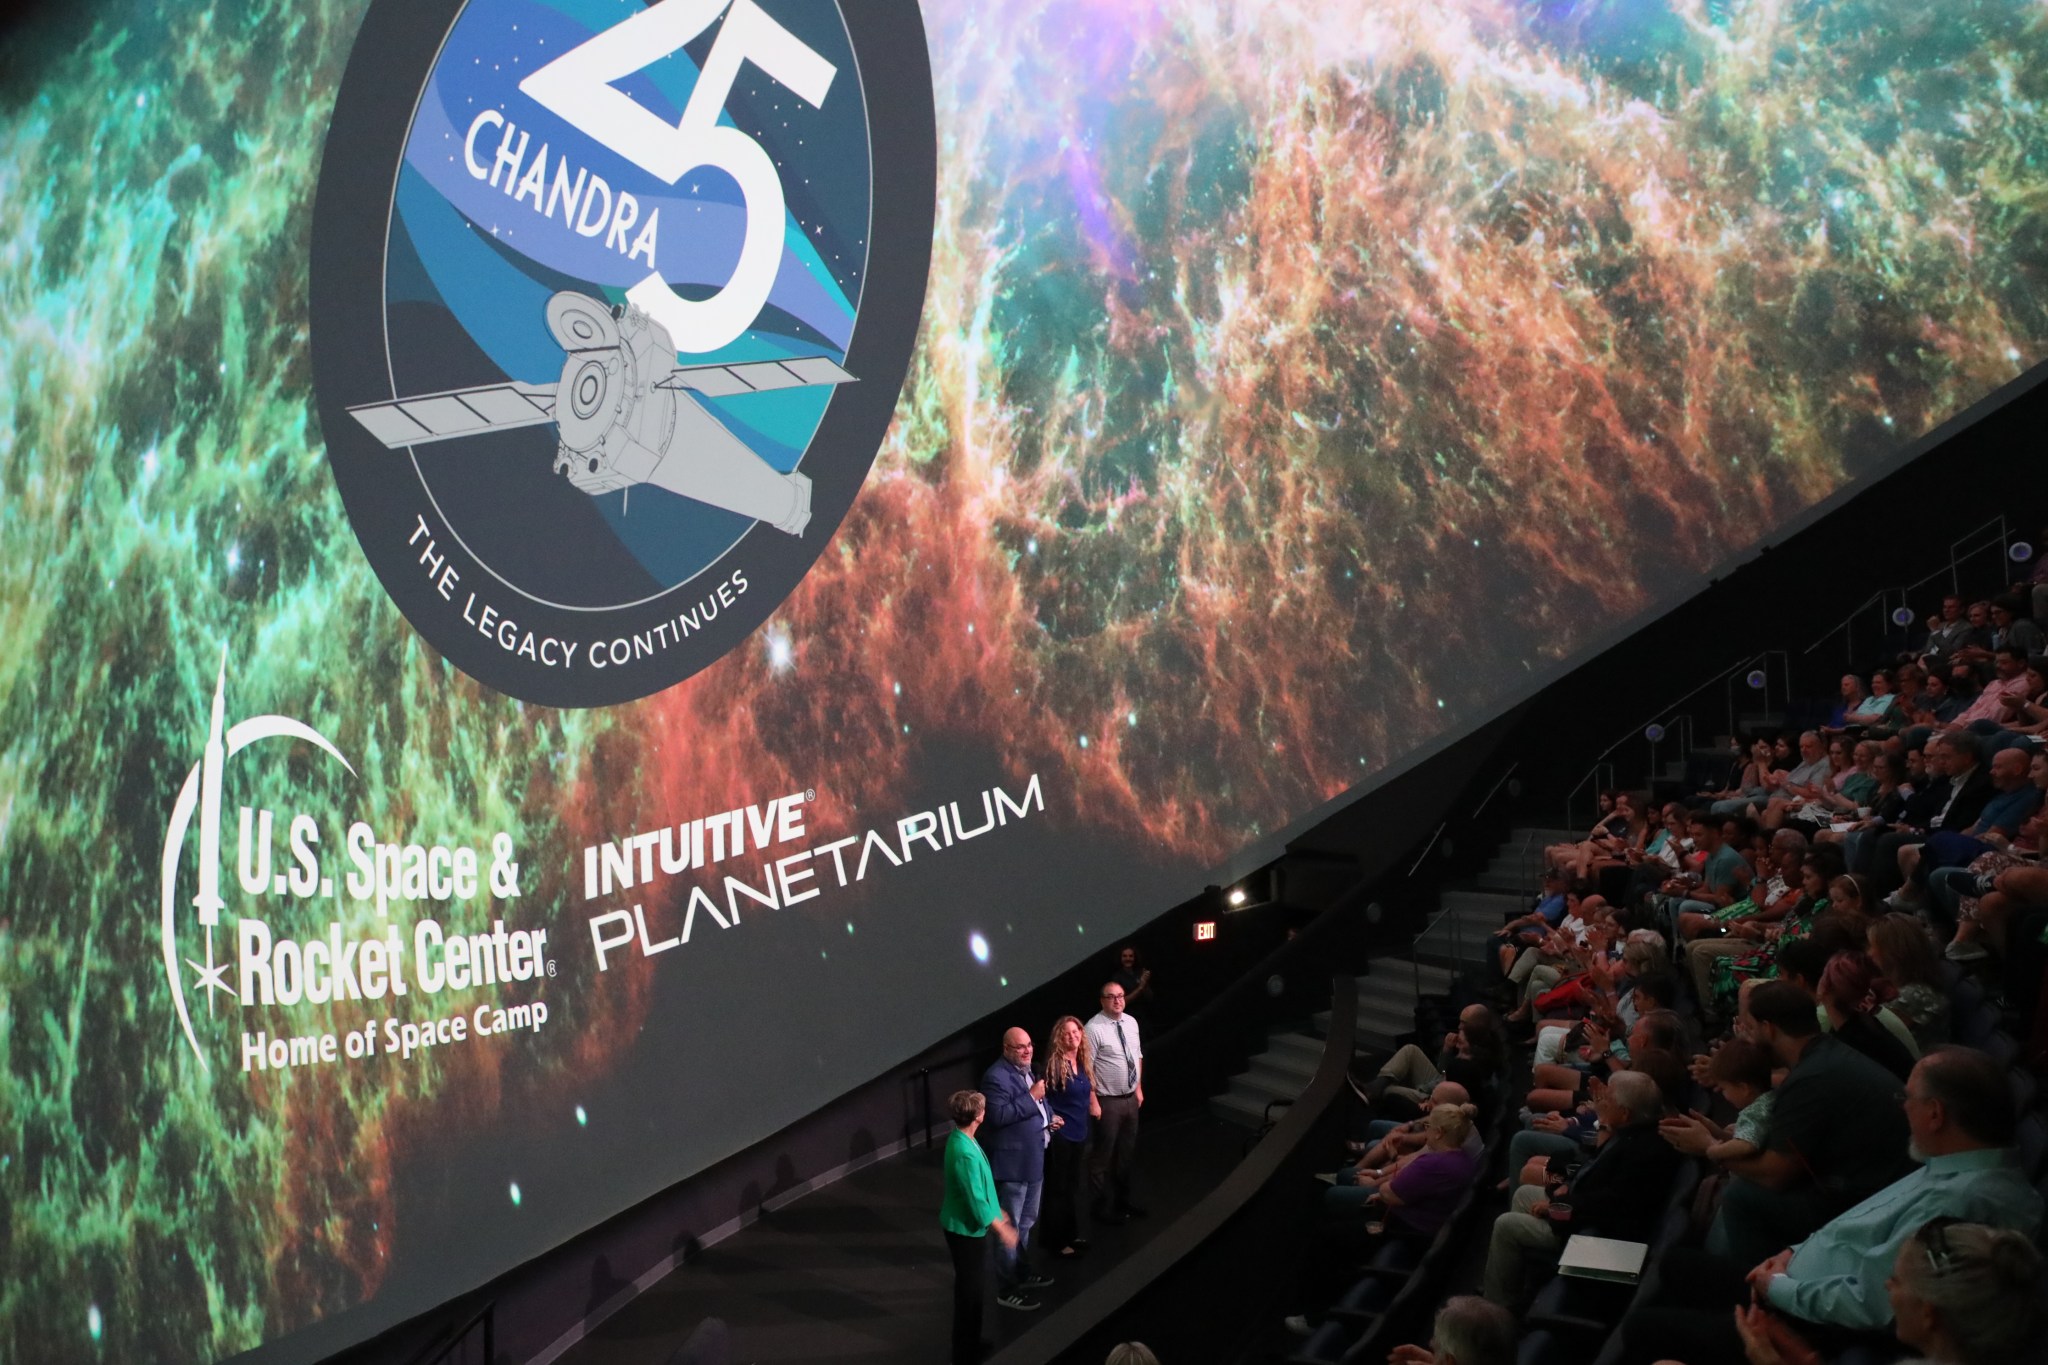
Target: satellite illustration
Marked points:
620	417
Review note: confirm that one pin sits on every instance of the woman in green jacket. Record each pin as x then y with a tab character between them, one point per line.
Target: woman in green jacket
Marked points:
970	1212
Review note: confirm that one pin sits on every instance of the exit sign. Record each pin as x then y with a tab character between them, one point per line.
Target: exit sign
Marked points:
1205	930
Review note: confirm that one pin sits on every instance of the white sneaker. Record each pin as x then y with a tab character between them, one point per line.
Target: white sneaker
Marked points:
1327	1177
1965	950
1299	1325
1899	900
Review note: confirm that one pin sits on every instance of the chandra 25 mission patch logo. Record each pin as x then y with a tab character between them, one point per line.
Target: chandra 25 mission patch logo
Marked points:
612	302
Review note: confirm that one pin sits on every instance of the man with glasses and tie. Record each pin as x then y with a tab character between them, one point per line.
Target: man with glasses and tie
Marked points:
1119	1076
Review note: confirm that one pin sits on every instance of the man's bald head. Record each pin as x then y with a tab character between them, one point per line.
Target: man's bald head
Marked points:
1017	1047
1450	1092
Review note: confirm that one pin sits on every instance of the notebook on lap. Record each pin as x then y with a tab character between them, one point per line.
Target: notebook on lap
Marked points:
1603	1258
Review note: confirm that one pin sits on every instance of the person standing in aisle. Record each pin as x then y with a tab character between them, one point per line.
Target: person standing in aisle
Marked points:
1136	981
1071	1093
1119	1074
970	1212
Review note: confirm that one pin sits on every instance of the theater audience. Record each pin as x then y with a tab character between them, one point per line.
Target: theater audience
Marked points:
1864	1185
1741	1072
1391	1143
2013	801
1754	956
1902	952
1852	788
1558	1085
1830	1285
1805	781
1529	931
1773	891
1468	1331
1615	850
1870	708
2001	885
1836	1136
1473	1055
1967	1294
1852	997
1611	823
1605	991
1954	800
1421	1195
1723	955
1885	807
1582	935
1618	1193
1753	783
1947	633
1961	1294
1723	878
1988	708
2012	627
1130	1353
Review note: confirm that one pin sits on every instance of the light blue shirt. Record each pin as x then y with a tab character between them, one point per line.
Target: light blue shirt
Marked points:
1837	1275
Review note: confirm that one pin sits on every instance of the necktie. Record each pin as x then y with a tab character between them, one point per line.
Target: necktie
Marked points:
1130	1067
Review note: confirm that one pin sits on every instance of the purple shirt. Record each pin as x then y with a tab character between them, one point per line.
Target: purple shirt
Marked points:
1429	1188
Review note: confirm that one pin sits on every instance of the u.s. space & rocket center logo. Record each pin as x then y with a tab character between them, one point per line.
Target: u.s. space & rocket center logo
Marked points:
302	942
611	306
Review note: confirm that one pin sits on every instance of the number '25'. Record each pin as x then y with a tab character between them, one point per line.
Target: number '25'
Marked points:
578	87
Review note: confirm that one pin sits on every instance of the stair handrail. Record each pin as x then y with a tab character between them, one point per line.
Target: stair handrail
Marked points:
1494	790
1664	715
1877	598
437	1351
1976	542
1955	561
1602	775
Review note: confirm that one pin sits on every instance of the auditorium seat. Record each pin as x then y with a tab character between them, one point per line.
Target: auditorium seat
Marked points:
1585	1312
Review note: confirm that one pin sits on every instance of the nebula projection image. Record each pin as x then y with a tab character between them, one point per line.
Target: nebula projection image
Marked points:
560	556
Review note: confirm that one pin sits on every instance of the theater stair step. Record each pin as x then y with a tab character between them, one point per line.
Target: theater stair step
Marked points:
1387	996
1281	1072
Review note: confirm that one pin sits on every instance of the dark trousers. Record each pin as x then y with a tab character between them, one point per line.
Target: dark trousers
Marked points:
972	1288
1757	1223
1693	1318
1113	1151
1947	850
1060	1217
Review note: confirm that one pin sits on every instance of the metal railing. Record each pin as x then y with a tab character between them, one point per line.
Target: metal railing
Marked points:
1994	534
1773	664
1993	537
1436	923
438	1351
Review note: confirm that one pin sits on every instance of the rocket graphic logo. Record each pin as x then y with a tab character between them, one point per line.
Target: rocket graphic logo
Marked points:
190	950
611	307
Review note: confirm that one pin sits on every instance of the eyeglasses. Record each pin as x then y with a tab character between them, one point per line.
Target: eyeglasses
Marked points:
1117	995
1933	1239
